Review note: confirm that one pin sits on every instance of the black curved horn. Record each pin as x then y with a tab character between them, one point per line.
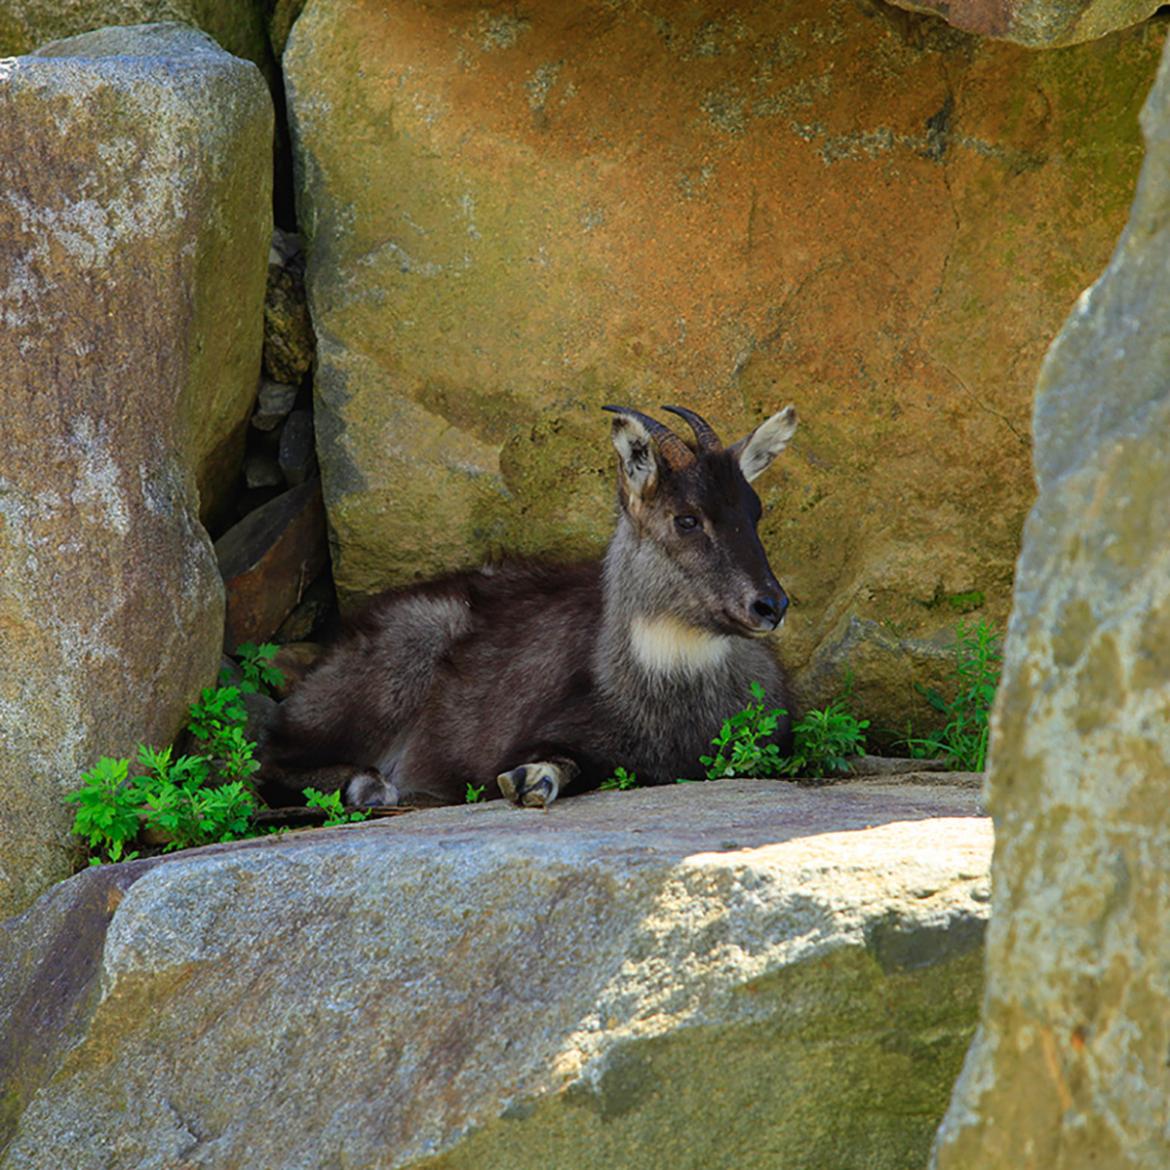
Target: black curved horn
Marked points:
705	434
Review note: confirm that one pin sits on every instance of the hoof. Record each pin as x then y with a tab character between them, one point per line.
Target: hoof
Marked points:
369	789
531	785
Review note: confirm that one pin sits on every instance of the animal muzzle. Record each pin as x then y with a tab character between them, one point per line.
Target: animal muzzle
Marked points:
761	610
768	609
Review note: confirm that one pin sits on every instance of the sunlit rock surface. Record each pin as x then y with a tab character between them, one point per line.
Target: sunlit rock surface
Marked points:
1070	1070
744	973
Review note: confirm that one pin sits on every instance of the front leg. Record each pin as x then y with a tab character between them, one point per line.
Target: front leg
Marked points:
537	785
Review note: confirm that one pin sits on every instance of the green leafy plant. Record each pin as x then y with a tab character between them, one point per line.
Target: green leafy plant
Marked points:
217	711
742	747
107	810
621	780
963	738
260	676
473	794
187	800
335	812
824	740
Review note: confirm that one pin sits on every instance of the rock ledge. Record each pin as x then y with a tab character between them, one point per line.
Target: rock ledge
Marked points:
745	973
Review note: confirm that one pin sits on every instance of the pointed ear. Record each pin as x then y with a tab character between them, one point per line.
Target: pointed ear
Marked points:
756	451
637	460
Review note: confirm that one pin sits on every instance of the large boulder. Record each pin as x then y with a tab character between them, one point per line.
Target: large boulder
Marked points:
1070	1068
134	226
1039	24
237	25
744	973
514	219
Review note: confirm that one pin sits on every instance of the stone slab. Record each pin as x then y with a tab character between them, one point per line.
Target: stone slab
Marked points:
743	973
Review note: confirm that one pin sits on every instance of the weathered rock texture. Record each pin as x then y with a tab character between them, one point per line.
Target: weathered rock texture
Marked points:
745	974
238	25
268	560
1070	1068
1040	24
513	219
133	239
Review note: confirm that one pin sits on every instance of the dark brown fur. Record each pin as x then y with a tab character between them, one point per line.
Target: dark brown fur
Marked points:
465	679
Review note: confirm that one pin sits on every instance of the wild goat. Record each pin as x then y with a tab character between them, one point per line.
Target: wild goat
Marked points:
536	681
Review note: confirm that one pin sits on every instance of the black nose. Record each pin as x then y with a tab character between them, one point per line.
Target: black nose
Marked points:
770	610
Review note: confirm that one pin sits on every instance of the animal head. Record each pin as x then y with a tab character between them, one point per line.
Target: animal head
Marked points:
693	517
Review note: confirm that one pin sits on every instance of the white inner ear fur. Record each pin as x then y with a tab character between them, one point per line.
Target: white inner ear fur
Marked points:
664	645
757	451
636	450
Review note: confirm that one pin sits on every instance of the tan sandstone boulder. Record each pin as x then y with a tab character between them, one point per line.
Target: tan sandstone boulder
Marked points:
743	974
512	219
1070	1068
134	227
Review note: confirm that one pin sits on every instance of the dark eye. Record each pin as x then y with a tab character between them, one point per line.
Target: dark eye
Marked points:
686	523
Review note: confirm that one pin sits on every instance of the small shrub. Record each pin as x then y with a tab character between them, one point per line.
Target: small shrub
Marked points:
824	740
190	800
742	747
473	794
107	810
260	676
621	780
963	739
335	812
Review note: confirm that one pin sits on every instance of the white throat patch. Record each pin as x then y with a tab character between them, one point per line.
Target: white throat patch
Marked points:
664	645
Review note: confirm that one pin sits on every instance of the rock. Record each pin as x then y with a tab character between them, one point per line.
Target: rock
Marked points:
230	126
123	298
636	980
1039	24
261	711
230	673
238	25
1070	1069
282	15
298	456
313	616
268	560
288	332
294	660
786	205
273	403
261	470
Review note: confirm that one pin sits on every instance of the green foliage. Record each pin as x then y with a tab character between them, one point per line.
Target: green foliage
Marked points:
218	710
260	676
107	812
190	800
621	780
742	747
335	812
824	740
473	794
963	739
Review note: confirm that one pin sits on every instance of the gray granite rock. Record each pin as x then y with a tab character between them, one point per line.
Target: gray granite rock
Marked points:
745	973
1069	1071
